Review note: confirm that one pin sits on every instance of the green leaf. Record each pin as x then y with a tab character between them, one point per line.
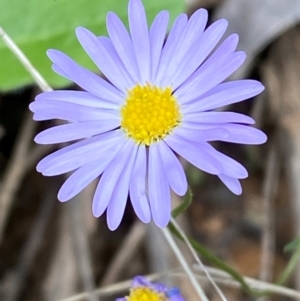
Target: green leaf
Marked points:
289	269
217	262
184	205
294	247
194	175
206	253
37	25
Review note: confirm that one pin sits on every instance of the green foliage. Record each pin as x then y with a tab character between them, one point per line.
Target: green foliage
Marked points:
206	253
194	175
217	262
294	247
184	205
37	25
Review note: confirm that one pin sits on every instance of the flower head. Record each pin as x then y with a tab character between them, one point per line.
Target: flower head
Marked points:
158	102
144	290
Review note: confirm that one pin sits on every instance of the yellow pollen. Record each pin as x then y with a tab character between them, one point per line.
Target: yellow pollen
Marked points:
145	294
149	113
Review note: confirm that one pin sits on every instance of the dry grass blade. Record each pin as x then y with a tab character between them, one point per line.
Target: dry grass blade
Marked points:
62	278
281	76
160	256
17	278
184	264
40	81
219	276
110	289
126	252
78	233
223	278
16	167
268	235
197	259
15	170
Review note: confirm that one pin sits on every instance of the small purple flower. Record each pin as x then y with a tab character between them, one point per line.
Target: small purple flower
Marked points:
144	290
159	101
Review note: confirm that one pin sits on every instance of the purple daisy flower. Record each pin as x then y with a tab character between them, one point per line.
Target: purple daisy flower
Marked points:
142	289
158	102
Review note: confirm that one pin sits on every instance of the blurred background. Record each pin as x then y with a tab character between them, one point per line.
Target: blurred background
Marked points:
50	251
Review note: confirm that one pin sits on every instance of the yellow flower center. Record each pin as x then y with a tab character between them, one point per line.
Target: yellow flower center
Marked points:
149	113
145	294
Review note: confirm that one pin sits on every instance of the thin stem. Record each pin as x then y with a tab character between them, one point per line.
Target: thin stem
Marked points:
184	264
15	170
24	61
110	289
219	276
253	283
196	257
